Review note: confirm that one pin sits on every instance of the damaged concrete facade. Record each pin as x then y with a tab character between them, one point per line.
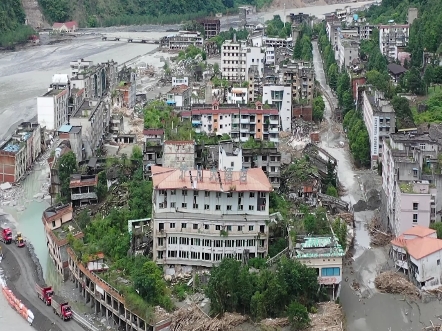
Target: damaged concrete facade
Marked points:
19	152
83	189
58	223
193	210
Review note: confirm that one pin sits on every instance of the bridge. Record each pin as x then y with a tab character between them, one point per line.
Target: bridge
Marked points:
132	40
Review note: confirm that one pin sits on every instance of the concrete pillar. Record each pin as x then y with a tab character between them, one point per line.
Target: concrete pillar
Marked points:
88	297
92	301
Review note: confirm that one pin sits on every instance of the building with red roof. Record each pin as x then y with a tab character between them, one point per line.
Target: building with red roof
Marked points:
203	216
70	26
418	252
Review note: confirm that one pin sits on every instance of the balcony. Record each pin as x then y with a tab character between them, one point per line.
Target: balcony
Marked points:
235	120
274	121
234	129
273	129
245	120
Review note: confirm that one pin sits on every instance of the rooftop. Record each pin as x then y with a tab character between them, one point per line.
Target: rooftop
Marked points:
54	92
419	231
67	227
396	69
210	180
417	187
78	180
153	132
317	247
54	212
418	247
15	144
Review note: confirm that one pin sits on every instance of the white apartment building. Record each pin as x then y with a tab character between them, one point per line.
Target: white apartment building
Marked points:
270	55
177	81
347	50
379	118
52	107
201	217
241	123
281	97
94	118
255	56
237	95
402	157
79	66
230	160
233	60
392	37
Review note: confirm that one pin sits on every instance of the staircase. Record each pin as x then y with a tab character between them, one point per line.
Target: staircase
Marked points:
34	16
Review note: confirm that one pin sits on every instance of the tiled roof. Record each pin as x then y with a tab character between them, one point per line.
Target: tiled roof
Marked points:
169	178
419	231
420	246
153	132
79	181
69	25
229	111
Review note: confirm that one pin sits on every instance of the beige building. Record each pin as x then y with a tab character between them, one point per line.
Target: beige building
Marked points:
324	254
202	217
179	153
58	224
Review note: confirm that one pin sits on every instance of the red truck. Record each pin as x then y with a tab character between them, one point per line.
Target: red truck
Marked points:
44	292
6	235
61	307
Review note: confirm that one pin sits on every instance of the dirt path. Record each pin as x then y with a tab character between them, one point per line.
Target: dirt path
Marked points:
33	14
21	276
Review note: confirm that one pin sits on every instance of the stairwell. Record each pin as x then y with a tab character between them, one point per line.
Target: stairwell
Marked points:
34	16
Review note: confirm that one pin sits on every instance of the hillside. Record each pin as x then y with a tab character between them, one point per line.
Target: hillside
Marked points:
124	12
12	19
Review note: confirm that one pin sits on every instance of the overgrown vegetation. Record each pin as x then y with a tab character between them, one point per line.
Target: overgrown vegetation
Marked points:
137	278
67	165
229	35
358	137
290	291
94	13
303	49
191	52
318	108
12	20
277	28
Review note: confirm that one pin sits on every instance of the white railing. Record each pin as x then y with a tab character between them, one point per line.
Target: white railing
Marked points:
84	322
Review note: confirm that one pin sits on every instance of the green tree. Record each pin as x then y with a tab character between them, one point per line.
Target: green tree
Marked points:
137	153
216	69
414	83
149	283
298	316
438	227
102	185
67	165
332	191
318	108
333	76
340	229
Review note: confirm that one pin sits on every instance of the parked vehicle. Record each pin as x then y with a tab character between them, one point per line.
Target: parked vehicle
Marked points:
19	241
61	307
45	293
6	235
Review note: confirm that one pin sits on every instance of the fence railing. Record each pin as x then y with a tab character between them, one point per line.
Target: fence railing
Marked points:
84	322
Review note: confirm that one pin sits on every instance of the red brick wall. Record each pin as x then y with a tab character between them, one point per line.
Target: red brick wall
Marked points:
7	167
355	82
305	111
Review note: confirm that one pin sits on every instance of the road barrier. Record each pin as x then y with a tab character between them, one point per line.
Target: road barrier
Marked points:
16	304
80	320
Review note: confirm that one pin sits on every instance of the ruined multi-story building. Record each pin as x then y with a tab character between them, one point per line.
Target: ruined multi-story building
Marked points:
19	152
212	27
301	77
201	216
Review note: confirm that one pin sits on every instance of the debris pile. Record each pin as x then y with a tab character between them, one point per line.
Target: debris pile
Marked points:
194	319
347	217
433	327
329	317
275	323
392	282
378	237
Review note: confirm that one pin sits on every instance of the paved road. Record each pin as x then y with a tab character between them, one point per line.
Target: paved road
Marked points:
21	278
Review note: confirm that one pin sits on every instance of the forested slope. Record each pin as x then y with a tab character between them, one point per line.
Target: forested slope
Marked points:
12	19
118	12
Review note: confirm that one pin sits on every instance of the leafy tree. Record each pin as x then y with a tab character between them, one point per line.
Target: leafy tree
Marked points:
343	87
137	153
216	70
316	222
340	229
332	191
358	137
318	108
331	176
403	112
102	185
298	315
149	283
67	165
438	227
414	82
333	76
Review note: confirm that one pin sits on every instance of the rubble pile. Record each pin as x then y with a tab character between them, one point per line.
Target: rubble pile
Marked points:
378	237
330	317
347	217
275	323
192	318
392	282
433	327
